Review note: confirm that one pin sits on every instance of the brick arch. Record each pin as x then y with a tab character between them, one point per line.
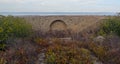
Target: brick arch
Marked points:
58	25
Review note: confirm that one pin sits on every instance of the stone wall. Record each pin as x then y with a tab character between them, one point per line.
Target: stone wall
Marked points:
74	23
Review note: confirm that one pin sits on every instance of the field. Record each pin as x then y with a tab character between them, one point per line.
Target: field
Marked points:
97	44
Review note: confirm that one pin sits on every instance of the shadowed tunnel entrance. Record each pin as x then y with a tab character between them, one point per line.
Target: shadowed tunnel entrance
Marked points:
58	29
58	25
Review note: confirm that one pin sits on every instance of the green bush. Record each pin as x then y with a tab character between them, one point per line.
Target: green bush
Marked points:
13	27
67	53
2	46
50	57
110	26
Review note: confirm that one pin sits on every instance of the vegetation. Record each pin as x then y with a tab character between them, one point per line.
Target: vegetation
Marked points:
61	52
52	49
3	61
12	27
110	26
68	54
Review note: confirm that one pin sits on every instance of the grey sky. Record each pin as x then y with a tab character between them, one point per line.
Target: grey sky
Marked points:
59	5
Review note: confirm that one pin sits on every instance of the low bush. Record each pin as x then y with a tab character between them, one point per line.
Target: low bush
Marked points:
110	26
99	51
13	27
67	53
41	42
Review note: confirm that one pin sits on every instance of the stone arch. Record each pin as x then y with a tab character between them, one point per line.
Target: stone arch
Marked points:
58	25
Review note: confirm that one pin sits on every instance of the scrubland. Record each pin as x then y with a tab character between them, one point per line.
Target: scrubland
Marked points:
98	44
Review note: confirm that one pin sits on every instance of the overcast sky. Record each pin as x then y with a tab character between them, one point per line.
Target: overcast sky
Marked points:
59	5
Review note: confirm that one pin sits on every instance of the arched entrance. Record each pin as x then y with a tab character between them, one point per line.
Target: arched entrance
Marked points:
58	28
58	25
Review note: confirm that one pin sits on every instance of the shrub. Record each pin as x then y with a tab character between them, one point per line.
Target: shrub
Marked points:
13	27
50	57
2	46
67	53
41	42
110	26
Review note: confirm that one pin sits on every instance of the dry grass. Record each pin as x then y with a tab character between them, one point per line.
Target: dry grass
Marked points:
59	51
78	49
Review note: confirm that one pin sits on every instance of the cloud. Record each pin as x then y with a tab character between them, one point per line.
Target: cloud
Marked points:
59	5
46	1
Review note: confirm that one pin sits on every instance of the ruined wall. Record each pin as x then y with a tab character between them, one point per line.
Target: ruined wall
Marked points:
75	23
